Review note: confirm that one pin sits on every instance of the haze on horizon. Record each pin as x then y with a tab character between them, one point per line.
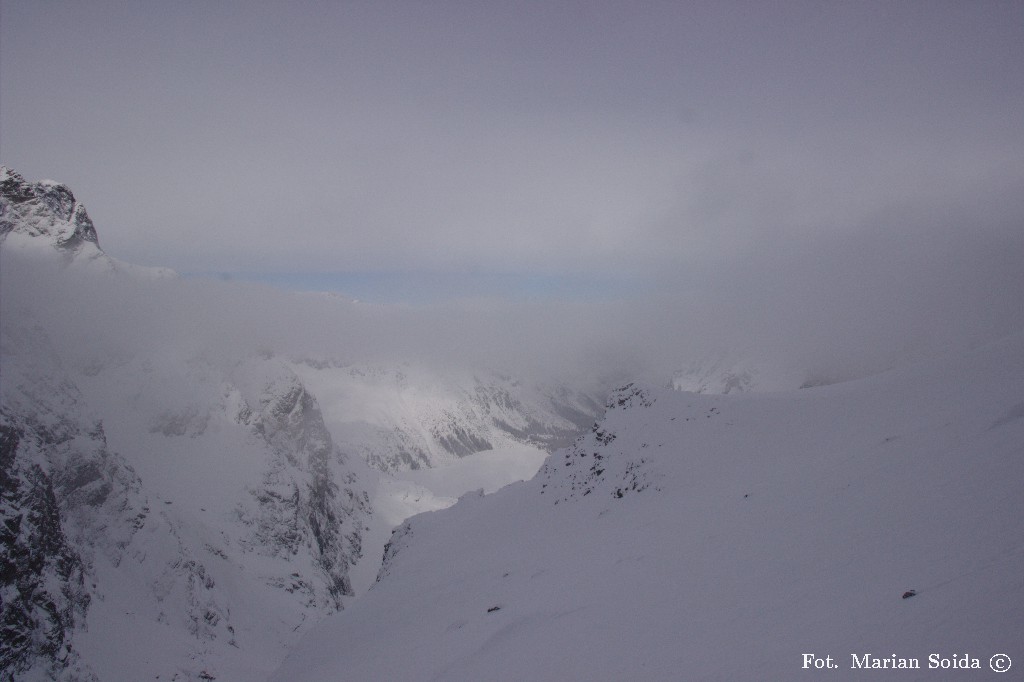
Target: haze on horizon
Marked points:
841	180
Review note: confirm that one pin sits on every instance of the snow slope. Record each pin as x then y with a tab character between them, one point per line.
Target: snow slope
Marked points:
180	499
409	416
723	537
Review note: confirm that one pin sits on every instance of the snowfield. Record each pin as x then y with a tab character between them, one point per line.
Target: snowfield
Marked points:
723	537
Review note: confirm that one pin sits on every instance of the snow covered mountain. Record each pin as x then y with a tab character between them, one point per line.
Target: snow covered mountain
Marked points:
195	474
65	497
39	218
718	375
724	373
164	514
411	416
180	502
158	540
45	209
873	523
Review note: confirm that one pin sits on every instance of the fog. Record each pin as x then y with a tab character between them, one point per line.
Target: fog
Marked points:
829	307
827	188
596	139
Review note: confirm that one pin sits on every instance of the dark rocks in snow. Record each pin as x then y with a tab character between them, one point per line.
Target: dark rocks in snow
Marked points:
65	496
45	209
72	508
459	441
909	593
467	418
400	538
629	396
603	437
41	575
300	504
593	464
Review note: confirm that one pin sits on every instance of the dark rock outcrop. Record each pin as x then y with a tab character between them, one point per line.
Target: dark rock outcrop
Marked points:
44	209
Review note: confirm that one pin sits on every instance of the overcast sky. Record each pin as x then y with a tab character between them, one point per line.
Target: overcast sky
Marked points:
558	147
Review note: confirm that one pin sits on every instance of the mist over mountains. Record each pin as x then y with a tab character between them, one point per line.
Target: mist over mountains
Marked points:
192	467
198	471
869	528
521	340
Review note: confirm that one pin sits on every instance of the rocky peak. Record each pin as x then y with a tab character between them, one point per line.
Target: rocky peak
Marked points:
43	209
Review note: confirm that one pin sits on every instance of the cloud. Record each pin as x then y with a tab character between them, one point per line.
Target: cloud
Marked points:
822	184
536	139
903	286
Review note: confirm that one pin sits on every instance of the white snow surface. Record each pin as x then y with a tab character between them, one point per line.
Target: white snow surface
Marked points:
401	494
409	415
211	566
723	537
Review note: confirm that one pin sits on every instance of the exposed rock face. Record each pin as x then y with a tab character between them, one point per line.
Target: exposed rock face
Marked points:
549	417
409	417
77	520
64	497
44	209
237	532
300	504
44	218
41	576
400	538
199	508
594	464
746	522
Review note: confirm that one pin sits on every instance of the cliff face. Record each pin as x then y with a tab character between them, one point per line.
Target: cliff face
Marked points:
183	503
43	219
162	513
244	500
300	503
65	496
45	210
407	416
41	575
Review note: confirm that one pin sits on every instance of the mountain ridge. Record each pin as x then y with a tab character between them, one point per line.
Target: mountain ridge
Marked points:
694	536
200	502
39	218
150	503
